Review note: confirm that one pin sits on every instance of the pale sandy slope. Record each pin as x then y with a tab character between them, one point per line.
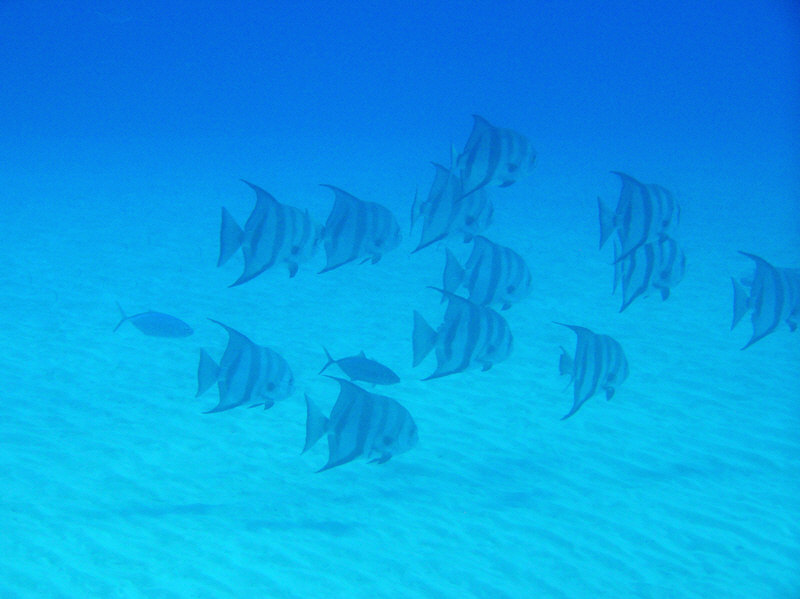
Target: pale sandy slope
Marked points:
116	485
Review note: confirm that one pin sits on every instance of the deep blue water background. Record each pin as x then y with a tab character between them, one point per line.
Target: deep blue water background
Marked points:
124	126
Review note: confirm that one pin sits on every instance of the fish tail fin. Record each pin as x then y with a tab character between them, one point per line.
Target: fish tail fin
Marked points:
230	237
329	362
424	338
565	364
607	222
741	302
207	373
123	318
453	274
316	424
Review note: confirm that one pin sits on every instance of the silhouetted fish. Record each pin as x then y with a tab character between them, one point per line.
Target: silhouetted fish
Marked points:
493	274
361	424
361	368
274	233
447	211
599	365
358	229
469	336
247	373
644	213
656	265
494	156
774	298
156	324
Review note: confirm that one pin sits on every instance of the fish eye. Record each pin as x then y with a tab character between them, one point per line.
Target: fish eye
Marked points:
270	386
295	250
512	167
387	440
469	220
510	289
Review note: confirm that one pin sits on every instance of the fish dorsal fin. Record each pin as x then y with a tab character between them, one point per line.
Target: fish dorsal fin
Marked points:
480	124
263	198
342	195
236	339
362	354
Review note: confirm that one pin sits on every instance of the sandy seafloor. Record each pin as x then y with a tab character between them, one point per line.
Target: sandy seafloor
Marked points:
116	484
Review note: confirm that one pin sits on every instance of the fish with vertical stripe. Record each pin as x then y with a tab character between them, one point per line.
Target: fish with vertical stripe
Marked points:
246	374
274	233
644	213
773	297
470	336
599	365
358	229
447	211
655	266
494	156
361	424
494	275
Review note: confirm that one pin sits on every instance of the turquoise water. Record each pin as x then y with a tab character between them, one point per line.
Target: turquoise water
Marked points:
126	127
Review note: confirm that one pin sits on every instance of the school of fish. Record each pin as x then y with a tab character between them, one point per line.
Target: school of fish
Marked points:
473	334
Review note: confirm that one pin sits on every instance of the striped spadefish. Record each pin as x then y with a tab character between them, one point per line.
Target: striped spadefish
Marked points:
599	364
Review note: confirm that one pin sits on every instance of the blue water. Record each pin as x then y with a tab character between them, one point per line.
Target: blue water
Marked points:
127	125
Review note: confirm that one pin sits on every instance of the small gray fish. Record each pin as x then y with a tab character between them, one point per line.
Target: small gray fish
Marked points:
774	298
361	368
361	424
599	365
156	324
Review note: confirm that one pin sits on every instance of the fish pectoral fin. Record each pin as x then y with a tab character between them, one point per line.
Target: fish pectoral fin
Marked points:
293	266
486	366
609	392
385	457
376	258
